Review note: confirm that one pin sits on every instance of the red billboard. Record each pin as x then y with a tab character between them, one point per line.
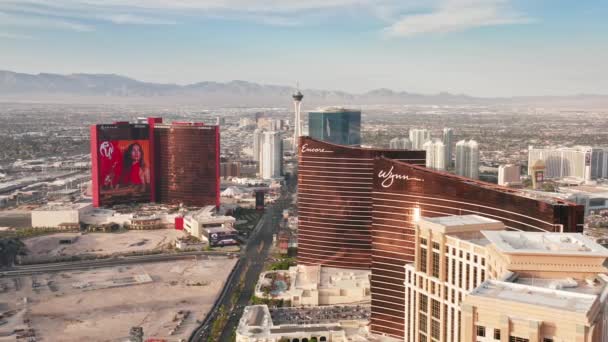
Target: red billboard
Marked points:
122	163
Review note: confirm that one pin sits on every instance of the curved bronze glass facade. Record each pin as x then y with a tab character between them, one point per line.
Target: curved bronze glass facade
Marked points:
187	164
335	186
402	193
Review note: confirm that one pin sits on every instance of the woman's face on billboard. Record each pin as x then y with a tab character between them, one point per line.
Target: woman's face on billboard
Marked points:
136	153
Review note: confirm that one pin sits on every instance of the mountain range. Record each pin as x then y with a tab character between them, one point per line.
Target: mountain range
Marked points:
111	88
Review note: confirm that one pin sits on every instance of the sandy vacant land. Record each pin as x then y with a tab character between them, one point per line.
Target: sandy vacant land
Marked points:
100	243
103	304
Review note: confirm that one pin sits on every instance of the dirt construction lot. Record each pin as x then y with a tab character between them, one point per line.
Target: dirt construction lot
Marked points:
100	243
166	299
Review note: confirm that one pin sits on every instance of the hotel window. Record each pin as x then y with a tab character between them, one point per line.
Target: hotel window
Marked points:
422	322
422	260
452	325
453	271
435	265
481	331
474	276
475	258
467	277
446	266
497	334
423	241
424	303
483	261
546	339
460	274
422	338
435	308
435	329
518	339
468	256
435	245
483	275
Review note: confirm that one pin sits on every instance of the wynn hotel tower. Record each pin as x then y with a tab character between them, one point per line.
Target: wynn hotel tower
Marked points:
358	209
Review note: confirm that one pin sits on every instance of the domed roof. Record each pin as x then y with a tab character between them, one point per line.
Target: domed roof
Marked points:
539	165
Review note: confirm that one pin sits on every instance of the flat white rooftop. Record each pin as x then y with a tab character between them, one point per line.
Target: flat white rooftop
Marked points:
549	298
573	244
63	206
460	223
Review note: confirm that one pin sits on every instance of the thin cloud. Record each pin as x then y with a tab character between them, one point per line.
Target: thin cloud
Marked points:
129	19
458	15
28	21
5	35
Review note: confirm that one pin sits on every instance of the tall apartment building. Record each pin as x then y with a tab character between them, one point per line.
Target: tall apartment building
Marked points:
467	159
258	139
271	155
435	154
580	162
419	137
473	281
448	141
400	144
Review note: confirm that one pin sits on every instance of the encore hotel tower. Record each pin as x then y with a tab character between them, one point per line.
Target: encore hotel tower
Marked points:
335	186
332	209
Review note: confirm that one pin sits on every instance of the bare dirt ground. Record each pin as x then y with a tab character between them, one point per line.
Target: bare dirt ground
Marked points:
103	304
101	243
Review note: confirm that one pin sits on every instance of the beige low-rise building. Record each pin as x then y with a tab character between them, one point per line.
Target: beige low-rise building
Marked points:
58	215
320	324
317	285
473	281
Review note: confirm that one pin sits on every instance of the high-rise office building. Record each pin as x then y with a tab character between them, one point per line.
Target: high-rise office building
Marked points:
272	155
400	144
467	159
448	141
419	137
508	174
258	139
464	264
336	125
435	154
335	185
580	162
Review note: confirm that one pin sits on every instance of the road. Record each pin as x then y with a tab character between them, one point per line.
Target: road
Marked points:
251	264
90	264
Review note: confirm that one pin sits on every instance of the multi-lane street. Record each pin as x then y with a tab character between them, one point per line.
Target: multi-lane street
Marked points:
20	271
251	265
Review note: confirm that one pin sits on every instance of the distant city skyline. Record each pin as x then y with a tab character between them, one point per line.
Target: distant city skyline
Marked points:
475	47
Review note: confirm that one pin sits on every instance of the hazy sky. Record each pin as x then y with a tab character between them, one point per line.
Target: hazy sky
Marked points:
477	47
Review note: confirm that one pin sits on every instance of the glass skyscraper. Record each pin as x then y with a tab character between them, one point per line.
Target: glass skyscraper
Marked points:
335	125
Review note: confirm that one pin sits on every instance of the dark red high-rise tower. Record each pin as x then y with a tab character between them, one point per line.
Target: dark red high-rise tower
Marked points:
174	163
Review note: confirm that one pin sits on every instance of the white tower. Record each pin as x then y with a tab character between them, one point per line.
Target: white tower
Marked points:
467	159
297	130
